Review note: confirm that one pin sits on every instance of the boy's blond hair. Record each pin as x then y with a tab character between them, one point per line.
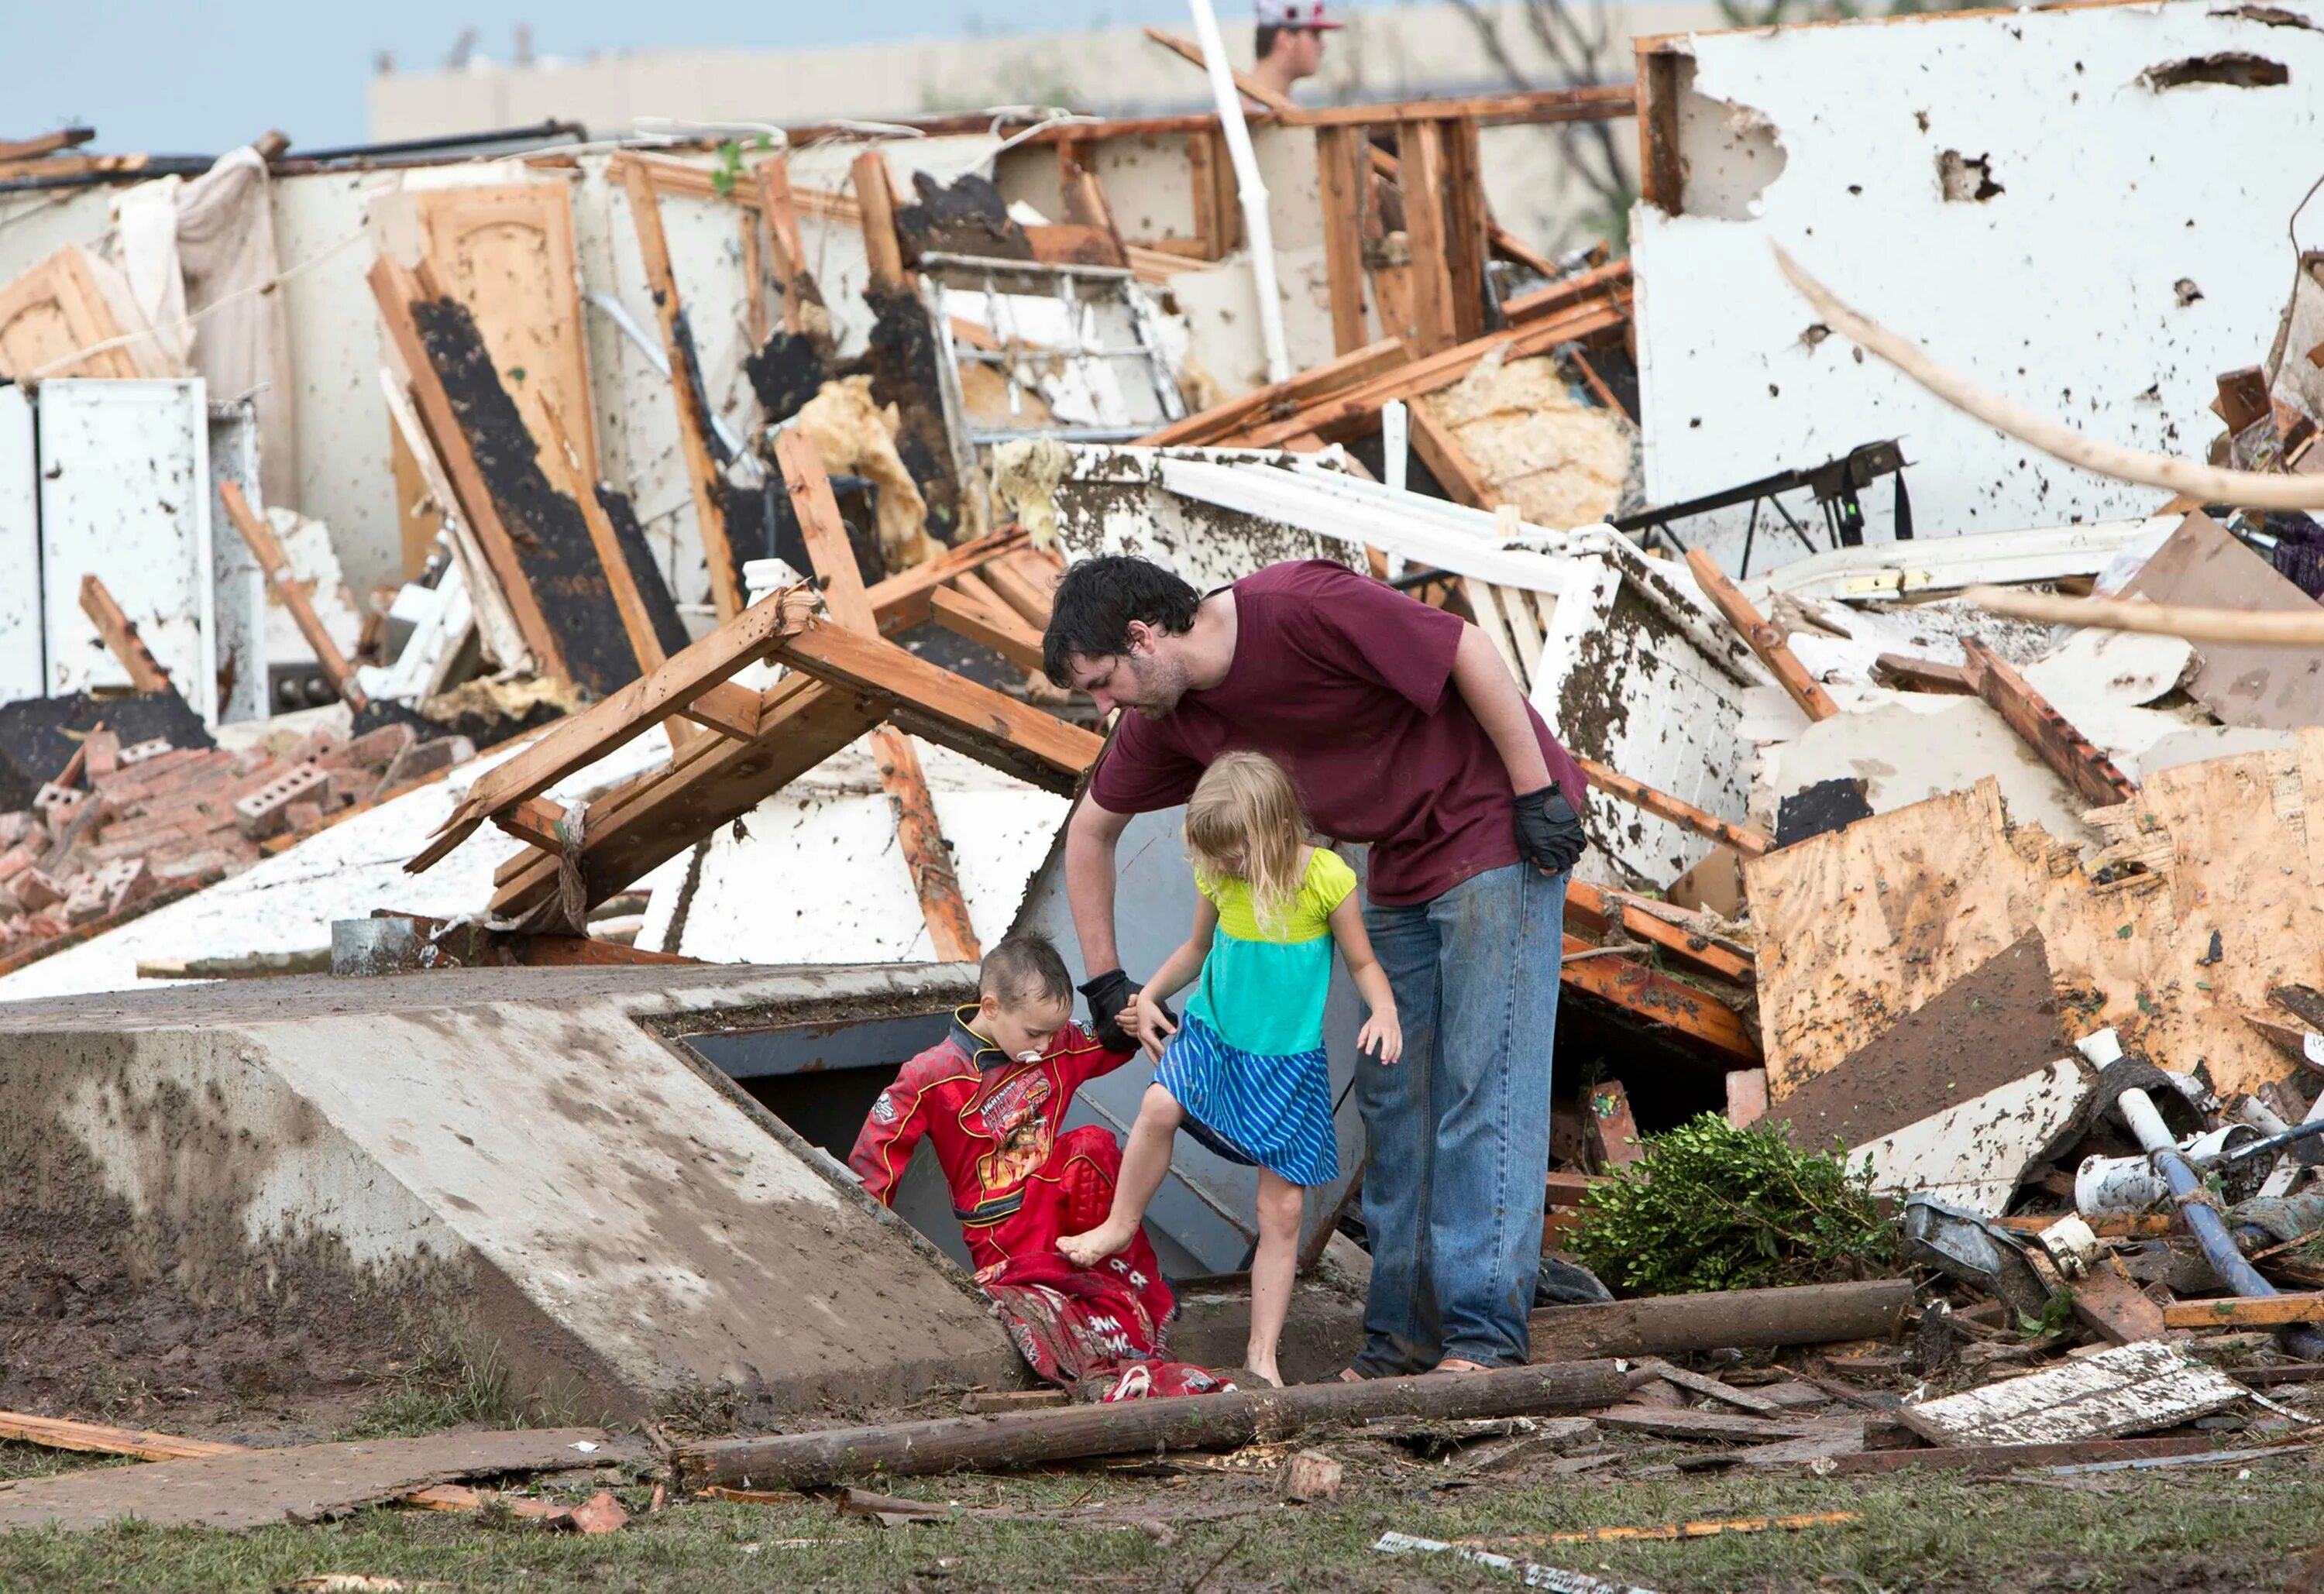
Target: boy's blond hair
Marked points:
1244	821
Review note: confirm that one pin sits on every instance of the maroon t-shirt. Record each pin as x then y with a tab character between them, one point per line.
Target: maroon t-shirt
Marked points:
1347	683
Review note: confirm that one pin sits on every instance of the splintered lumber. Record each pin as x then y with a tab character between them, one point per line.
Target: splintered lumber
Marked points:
1765	640
903	600
1420	148
2123	1389
1357	409
803	310
59	1433
991	624
46	144
2053	737
883	248
1455	471
1741	838
917	833
298	596
1282	398
1345	179
1185	1422
1567	291
2245	1312
581	739
693	424
121	638
1662	1325
1602	911
1901	672
394	288
1657	998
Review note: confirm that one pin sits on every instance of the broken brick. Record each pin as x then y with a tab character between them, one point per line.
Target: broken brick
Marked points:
59	805
140	752
302	818
17	860
14	827
263	812
34	890
375	749
102	752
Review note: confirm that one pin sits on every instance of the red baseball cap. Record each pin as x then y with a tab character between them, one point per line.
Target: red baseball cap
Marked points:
1295	13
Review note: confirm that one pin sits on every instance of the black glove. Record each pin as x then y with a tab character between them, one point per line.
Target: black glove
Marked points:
1549	831
1108	994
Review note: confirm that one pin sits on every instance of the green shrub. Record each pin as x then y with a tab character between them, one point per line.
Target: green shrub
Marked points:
1712	1207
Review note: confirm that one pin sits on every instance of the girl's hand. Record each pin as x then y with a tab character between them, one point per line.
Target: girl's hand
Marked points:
1382	1033
1145	1018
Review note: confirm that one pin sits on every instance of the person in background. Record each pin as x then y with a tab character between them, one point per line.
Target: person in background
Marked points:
1400	727
1289	43
1245	1073
990	1099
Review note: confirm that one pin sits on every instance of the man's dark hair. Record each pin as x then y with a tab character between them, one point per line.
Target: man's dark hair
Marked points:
1023	967
1263	40
1091	612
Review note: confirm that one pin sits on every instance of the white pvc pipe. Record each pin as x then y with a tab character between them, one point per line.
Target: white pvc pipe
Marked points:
1260	236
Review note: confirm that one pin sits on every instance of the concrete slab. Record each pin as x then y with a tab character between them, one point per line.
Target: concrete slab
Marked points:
302	1175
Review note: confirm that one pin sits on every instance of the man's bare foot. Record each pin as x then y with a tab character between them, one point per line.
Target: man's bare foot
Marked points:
1089	1248
1459	1364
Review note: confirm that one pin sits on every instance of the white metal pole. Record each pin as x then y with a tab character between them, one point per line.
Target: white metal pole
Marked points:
1255	226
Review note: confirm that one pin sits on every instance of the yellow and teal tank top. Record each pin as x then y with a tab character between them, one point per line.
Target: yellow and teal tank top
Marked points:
1262	986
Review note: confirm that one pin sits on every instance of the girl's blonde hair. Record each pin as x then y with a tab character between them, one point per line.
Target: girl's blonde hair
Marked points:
1244	823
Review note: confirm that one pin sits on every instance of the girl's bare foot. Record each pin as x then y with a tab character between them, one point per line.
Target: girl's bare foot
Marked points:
1265	1372
1089	1248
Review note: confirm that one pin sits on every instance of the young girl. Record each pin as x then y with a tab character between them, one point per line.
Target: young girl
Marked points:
1245	1073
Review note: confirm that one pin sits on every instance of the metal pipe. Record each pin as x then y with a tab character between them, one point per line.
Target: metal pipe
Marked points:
1245	162
2203	1219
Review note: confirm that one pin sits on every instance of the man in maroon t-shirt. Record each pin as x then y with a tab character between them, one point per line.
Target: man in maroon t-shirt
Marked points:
1402	729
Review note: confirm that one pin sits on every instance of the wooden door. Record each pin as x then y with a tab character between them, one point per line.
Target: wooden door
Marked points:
506	253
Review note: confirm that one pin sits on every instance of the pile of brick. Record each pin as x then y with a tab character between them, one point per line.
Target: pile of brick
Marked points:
121	825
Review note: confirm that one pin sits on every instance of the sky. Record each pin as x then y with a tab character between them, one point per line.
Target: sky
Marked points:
167	77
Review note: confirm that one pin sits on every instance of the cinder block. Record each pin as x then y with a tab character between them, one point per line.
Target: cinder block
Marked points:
263	812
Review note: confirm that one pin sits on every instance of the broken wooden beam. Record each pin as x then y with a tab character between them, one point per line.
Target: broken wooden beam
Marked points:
1601	912
2009	1458
1283	397
1764	639
1742	838
2091	775
1661	1325
883	247
63	1433
918	833
121	639
993	625
2245	1312
298	596
902	600
1656	997
804	314
1900	672
701	476
1185	1422
566	476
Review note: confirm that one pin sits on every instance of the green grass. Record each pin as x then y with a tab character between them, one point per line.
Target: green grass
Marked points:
2140	1533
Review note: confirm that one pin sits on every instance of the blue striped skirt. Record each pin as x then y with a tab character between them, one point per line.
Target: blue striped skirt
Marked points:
1271	1112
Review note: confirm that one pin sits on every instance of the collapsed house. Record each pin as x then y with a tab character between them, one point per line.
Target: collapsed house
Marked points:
528	604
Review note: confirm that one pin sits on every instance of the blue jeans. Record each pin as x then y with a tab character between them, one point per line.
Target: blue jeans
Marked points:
1460	1129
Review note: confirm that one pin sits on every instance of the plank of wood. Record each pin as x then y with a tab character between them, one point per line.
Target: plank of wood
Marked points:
1525	107
2107	1303
1440	449
1086	206
2245	1312
580	739
1565	293
1657	998
1222	421
1250	87
1665	1422
902	600
1420	146
1023	587
1467	231
394	288
1742	838
2009	1458
875	193
298	596
504	643
63	1433
702	477
2053	737
999	627
2123	1389
1765	640
1613	1128
727	708
1903	673
120	633
1757	1405
804	314
46	144
1359	407
1338	160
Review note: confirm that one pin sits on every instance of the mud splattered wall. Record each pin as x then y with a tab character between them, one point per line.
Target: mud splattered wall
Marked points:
2026	194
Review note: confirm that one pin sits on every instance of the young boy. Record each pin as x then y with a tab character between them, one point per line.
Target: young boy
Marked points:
990	1097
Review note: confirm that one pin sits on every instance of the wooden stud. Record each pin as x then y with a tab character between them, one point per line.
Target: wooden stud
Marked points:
567	473
1086	201
992	625
1467	241
536	820
1339	162
1764	640
803	311
63	1433
1660	999
297	596
1025	590
729	709
901	602
1203	190
2053	737
693	424
1901	672
754	272
1742	838
1662	174
918	834
875	192
1339	376
1568	291
1613	1127
394	288
1250	87
2107	1303
121	639
1420	146
1447	461
2245	1312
